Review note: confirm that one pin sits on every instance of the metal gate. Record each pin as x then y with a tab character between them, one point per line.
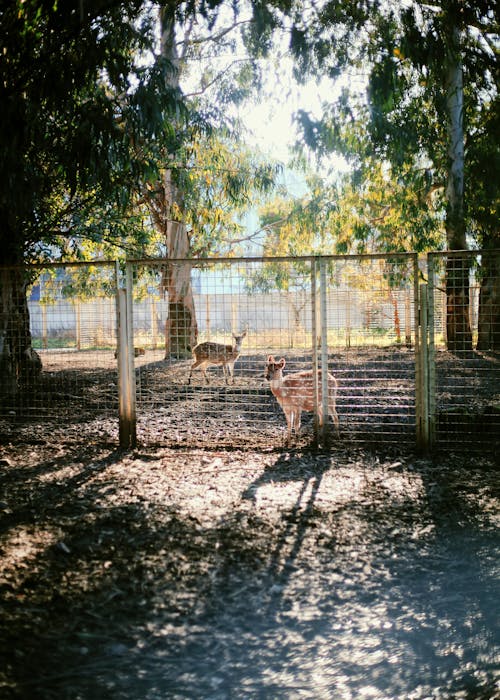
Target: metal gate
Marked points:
353	316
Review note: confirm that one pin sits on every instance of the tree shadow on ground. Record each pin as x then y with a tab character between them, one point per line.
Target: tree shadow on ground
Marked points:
408	602
339	590
296	520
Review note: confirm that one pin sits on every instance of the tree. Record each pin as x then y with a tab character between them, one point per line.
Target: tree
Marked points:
214	185
483	216
376	213
94	119
458	331
412	58
76	100
212	172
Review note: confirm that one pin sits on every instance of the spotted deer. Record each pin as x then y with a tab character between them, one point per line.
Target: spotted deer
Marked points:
295	393
207	353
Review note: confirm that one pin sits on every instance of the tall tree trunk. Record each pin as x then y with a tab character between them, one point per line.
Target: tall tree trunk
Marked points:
458	331
181	329
489	303
19	363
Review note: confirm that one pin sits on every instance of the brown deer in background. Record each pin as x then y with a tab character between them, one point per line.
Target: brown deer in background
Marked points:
295	393
207	353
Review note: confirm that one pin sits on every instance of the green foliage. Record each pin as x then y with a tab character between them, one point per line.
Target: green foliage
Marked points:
482	182
212	179
76	102
220	180
380	214
395	107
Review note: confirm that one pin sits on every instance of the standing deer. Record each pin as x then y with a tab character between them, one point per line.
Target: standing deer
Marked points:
295	393
206	354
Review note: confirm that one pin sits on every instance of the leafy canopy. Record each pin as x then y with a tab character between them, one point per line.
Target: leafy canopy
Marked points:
397	57
77	101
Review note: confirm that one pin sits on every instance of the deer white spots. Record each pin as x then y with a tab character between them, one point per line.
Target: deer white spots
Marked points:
295	393
207	353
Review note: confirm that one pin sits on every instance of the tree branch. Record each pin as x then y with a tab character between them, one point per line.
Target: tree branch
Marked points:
216	78
216	37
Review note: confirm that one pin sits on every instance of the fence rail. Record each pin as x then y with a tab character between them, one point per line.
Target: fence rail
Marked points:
115	344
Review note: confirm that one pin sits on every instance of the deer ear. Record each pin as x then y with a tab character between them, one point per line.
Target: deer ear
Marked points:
282	362
270	359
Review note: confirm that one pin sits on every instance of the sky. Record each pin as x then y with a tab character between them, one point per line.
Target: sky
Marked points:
271	120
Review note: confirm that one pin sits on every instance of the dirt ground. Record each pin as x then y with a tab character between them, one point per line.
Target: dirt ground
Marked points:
219	574
376	400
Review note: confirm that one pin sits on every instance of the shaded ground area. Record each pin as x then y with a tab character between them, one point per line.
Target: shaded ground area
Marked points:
241	574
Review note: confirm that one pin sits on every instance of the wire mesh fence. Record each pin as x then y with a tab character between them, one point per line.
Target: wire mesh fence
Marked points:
67	315
218	402
366	338
464	343
373	344
198	336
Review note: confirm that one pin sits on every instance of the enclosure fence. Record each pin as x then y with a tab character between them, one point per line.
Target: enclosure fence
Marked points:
413	343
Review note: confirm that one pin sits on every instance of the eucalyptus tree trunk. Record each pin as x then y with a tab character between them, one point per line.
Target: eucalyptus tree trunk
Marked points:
19	362
181	328
458	331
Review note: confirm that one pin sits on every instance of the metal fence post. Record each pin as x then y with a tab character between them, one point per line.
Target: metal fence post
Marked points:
422	392
431	355
418	353
314	333
126	370
325	432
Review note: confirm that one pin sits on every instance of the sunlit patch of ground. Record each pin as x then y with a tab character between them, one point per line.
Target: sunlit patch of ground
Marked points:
161	573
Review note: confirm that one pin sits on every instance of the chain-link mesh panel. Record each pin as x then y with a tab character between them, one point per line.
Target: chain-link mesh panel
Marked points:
464	341
58	331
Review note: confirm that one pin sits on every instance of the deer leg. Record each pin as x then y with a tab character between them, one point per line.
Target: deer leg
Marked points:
193	366
297	416
289	426
332	410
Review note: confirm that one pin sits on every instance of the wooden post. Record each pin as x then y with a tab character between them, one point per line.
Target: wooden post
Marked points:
100	326
348	320
431	354
407	319
45	342
154	324
78	338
